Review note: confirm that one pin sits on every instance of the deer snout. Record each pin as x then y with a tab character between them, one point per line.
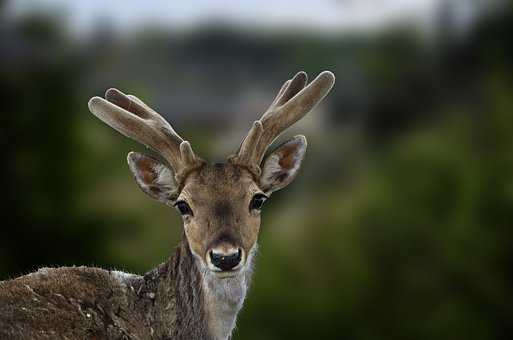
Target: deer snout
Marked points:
225	258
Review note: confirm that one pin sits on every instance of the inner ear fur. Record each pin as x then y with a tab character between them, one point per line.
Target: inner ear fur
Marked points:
282	165
153	177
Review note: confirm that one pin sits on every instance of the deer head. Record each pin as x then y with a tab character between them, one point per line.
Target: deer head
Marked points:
220	203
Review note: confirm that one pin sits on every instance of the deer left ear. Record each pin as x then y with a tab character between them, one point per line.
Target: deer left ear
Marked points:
153	177
282	165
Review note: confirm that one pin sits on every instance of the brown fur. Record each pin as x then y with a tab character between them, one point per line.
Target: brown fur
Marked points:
219	196
165	303
91	303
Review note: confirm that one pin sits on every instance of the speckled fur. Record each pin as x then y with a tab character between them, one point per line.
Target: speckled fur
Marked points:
92	303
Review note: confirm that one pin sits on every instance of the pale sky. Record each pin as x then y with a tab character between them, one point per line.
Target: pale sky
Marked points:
315	15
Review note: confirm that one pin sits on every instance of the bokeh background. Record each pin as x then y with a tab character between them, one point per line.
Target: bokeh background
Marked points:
400	223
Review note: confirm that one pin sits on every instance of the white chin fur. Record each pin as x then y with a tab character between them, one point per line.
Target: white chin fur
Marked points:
227	274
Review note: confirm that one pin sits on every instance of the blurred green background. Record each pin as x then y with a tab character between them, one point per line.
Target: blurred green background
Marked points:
400	223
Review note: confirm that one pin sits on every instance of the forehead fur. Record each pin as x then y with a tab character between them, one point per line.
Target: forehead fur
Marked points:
220	178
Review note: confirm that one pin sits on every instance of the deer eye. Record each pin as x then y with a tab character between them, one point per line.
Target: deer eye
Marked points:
257	202
183	208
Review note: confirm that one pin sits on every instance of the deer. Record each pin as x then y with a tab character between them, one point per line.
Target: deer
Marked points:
198	292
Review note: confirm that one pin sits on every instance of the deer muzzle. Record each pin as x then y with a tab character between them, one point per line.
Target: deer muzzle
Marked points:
225	258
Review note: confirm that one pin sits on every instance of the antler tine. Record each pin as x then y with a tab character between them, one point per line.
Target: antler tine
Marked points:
134	119
292	103
290	88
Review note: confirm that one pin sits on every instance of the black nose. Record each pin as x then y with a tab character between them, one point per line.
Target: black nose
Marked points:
225	261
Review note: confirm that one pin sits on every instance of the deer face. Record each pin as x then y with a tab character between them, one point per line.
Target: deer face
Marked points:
220	222
220	203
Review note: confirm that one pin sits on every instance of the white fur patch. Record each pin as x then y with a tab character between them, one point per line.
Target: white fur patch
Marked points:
164	175
272	164
122	277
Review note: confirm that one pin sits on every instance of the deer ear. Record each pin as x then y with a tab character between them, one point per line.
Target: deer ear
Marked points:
282	165
153	177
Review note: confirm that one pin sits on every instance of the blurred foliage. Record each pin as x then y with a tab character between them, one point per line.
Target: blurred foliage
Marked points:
399	227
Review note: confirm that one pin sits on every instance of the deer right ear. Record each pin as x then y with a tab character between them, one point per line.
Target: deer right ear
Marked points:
282	165
153	177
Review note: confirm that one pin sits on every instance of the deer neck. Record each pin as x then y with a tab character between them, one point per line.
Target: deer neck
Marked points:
187	301
173	298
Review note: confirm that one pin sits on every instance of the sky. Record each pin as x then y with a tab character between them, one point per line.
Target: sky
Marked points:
315	15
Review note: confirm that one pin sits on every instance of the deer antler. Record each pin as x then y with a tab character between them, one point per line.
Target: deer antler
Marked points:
292	103
134	119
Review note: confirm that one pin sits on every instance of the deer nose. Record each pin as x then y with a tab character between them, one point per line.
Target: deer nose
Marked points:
225	260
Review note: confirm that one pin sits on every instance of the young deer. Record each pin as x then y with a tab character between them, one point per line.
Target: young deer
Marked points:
198	292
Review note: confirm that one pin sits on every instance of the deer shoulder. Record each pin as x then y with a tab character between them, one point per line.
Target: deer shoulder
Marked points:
73	302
